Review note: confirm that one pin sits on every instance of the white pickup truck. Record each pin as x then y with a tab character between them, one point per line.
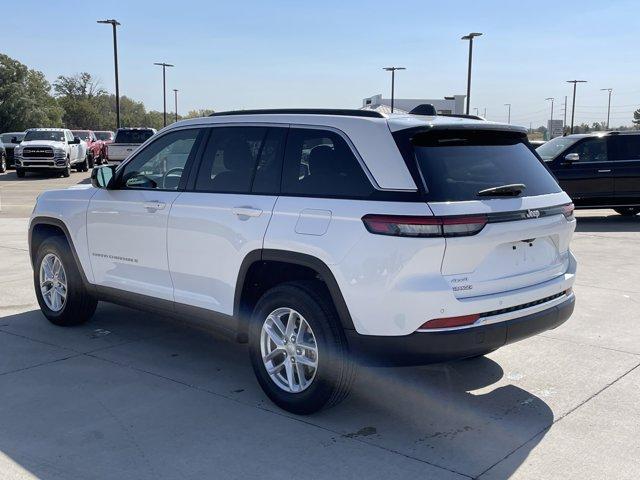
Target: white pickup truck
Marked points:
50	149
126	142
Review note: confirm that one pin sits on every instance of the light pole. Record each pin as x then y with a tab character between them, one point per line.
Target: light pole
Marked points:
470	38
114	23
175	99
477	111
393	81
573	103
609	105
508	105
164	88
551	122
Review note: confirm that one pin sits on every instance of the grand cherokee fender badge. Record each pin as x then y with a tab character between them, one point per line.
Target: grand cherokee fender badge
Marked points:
115	257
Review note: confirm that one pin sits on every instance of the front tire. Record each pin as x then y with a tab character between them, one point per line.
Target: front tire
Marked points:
298	349
628	211
60	291
67	170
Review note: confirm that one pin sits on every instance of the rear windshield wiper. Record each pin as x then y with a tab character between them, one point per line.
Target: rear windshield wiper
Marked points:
511	190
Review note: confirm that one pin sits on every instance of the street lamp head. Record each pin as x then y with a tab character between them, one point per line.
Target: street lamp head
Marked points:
110	22
576	81
606	89
162	64
391	69
549	98
507	104
471	35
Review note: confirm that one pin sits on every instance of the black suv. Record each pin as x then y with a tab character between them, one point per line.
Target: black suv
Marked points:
597	170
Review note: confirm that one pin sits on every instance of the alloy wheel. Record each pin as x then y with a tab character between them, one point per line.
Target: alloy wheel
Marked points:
53	282
289	350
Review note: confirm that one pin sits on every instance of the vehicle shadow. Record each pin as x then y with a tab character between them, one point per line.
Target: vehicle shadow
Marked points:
607	221
11	176
460	416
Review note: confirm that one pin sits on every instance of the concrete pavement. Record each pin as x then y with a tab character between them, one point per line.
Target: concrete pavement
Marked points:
135	395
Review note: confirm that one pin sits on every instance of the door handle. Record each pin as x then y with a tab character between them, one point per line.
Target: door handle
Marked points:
604	171
247	211
154	205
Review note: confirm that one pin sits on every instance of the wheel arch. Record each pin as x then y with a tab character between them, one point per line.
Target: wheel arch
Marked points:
258	264
41	228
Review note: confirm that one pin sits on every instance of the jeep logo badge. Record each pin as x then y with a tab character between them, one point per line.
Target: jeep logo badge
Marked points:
532	214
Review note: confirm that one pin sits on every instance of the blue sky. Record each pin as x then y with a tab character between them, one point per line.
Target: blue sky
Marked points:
252	54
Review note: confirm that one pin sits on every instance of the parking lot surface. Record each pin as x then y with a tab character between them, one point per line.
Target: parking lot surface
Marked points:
136	395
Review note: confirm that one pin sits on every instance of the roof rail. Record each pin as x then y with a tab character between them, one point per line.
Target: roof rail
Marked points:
304	111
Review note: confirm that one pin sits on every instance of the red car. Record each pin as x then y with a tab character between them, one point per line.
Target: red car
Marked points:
96	144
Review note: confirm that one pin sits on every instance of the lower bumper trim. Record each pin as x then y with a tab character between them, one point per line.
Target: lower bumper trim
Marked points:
422	348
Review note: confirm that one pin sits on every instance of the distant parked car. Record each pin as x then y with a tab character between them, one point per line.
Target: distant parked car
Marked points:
50	149
96	149
597	170
126	142
3	159
106	136
10	140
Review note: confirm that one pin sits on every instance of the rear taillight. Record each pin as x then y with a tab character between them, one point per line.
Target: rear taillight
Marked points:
415	226
450	322
567	211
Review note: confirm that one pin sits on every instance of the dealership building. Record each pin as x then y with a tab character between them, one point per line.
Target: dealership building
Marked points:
454	104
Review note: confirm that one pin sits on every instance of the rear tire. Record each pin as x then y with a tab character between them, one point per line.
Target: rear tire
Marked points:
78	305
20	172
628	211
321	387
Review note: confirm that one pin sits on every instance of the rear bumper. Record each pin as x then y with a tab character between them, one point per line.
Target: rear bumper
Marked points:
422	348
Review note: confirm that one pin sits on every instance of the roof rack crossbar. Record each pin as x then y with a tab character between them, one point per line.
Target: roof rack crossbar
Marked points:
304	111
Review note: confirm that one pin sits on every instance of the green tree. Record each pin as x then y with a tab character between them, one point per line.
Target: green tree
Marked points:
79	86
79	96
636	118
25	99
203	112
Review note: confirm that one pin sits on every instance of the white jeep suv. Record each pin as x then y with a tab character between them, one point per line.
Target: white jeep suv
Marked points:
322	238
50	149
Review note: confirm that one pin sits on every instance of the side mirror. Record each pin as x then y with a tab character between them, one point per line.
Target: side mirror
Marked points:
102	176
572	157
76	140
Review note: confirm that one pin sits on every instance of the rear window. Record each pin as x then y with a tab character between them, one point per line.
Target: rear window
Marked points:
104	135
457	165
133	136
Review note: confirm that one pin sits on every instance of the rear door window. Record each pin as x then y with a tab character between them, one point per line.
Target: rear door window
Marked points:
625	147
229	160
320	163
456	165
